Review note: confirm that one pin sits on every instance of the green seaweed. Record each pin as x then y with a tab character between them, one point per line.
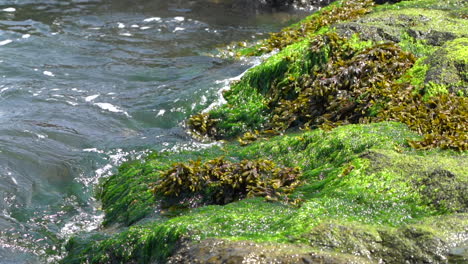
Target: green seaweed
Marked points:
378	190
364	174
316	23
220	181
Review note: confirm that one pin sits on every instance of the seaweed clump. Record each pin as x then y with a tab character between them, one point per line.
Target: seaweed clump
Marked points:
346	82
442	119
220	181
345	90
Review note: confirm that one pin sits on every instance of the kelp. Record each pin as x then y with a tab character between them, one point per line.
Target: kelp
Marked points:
349	85
342	11
202	125
346	89
441	119
220	181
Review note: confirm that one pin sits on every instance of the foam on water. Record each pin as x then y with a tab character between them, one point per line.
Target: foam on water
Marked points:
111	108
152	19
9	9
48	73
91	97
5	42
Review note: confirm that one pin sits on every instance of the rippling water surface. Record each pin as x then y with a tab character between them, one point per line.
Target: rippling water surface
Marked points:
85	85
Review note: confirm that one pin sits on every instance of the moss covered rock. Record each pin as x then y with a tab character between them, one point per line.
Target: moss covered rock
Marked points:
336	242
428	241
361	178
379	192
421	19
217	251
448	67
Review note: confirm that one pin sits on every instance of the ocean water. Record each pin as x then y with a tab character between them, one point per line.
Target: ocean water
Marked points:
86	85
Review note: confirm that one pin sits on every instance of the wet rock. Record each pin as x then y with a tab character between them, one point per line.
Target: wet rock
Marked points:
449	66
458	255
445	190
437	240
425	242
435	27
217	251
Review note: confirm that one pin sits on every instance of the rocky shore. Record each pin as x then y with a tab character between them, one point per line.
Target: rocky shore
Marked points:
348	145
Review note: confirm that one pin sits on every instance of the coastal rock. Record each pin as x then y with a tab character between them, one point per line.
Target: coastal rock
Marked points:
218	251
434	27
436	241
448	67
335	242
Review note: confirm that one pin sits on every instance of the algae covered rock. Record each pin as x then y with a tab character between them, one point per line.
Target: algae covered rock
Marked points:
428	20
429	241
448	67
438	240
218	251
372	190
363	189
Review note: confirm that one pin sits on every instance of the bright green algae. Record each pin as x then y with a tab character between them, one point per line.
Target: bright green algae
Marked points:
363	188
312	82
356	173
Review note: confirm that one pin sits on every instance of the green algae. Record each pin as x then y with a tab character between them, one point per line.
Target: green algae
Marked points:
353	81
425	4
422	20
314	24
365	191
358	173
126	196
247	105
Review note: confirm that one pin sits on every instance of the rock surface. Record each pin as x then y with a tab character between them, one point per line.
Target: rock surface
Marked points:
218	251
336	242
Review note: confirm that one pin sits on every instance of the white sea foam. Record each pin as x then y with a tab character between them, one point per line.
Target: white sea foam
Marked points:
48	73
93	150
111	108
178	29
144	28
180	19
5	42
126	34
9	9
152	19
161	112
91	97
134	26
120	25
25	36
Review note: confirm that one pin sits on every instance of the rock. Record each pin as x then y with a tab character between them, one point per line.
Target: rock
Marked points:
431	241
449	66
438	240
217	251
434	27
